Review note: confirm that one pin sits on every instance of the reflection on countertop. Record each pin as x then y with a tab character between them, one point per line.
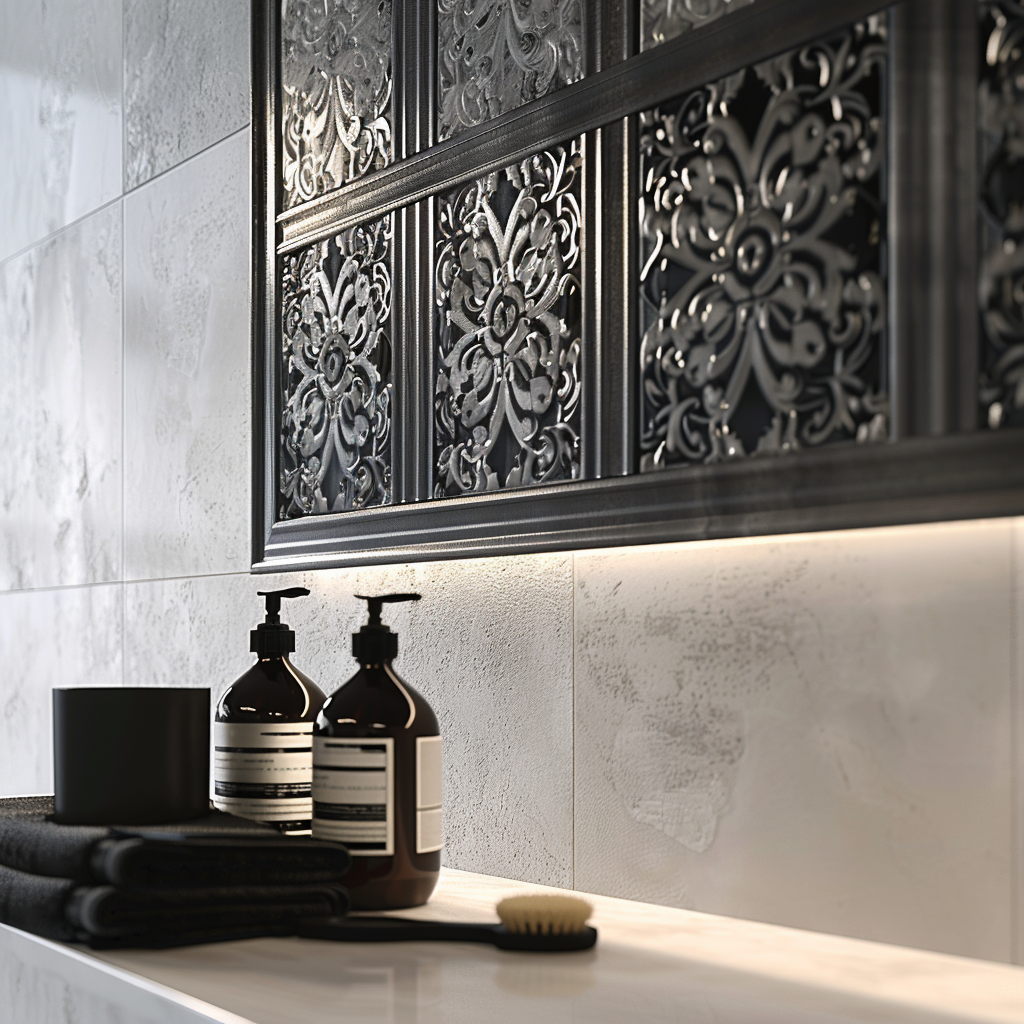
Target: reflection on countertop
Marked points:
651	964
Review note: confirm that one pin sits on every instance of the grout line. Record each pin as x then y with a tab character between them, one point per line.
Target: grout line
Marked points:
193	156
124	104
122	582
124	406
44	239
124	340
50	236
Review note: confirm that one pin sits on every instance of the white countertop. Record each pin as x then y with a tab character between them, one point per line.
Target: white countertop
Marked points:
650	964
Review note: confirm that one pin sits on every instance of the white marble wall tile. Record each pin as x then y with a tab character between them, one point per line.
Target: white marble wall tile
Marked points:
186	80
490	646
187	456
70	636
60	408
812	731
60	112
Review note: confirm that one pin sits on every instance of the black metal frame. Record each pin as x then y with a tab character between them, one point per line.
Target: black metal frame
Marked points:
941	467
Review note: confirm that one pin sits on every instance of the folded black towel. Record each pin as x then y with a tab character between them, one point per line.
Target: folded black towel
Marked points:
36	904
104	915
218	850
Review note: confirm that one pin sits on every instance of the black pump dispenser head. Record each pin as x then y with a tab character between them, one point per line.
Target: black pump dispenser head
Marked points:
375	643
273	637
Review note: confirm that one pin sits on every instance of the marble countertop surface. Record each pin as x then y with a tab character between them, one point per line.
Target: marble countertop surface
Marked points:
651	963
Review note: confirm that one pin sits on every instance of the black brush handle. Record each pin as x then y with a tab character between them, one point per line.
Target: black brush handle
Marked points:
403	929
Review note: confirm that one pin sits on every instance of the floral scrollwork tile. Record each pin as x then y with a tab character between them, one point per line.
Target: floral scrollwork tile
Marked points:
1001	270
762	227
661	20
496	55
336	373
336	84
507	400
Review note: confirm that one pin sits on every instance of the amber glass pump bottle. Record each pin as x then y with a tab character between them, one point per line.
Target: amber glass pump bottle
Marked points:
263	758
377	775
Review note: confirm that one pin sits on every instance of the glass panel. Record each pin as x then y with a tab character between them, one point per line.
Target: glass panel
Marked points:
661	20
495	55
762	227
507	399
1001	283
336	373
335	94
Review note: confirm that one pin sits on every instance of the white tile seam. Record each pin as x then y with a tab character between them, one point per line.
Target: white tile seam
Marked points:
124	389
124	105
119	582
46	239
189	159
186	577
124	342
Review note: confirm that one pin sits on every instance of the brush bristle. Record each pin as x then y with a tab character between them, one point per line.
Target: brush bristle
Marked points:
544	915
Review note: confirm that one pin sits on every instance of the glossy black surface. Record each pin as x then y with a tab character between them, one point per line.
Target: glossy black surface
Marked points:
273	690
376	703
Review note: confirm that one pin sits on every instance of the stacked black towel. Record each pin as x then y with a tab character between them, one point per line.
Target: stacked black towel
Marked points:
214	878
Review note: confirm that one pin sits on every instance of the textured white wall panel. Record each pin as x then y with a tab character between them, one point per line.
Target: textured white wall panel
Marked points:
812	731
60	115
60	408
70	636
186	80
187	368
490	646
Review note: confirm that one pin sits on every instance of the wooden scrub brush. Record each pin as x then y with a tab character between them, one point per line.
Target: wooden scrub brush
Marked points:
543	923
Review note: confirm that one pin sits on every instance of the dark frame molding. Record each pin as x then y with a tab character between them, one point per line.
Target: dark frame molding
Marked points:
937	467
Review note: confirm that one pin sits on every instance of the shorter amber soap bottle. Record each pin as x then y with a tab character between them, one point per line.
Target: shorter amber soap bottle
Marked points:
377	775
263	759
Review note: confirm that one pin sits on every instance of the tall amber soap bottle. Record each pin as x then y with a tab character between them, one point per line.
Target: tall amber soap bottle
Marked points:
377	775
262	734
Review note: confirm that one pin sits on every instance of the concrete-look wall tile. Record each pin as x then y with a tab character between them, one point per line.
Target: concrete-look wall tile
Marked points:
190	632
60	399
70	636
490	646
187	368
811	731
186	80
60	108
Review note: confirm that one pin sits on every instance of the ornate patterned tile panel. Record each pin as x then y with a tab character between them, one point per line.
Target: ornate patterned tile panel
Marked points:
507	401
336	351
336	86
496	55
1001	259
762	224
661	20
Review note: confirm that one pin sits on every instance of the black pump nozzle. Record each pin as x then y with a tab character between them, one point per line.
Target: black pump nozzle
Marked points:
274	601
273	637
375	642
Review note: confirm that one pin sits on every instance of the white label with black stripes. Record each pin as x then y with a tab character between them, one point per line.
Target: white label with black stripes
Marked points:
354	794
264	771
428	794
